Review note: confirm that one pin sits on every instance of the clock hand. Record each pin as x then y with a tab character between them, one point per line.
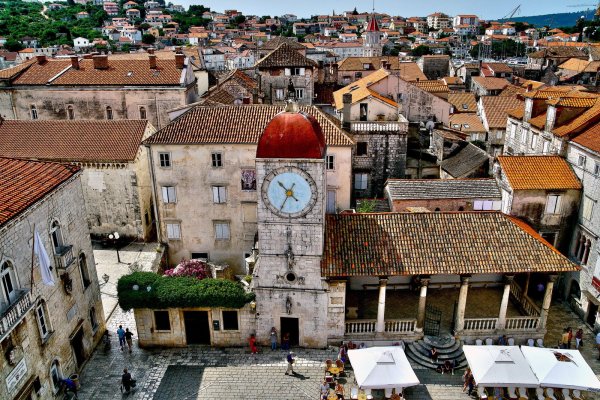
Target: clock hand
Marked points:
281	184
283	204
292	192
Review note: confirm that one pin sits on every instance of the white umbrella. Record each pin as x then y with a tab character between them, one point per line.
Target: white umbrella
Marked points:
499	366
382	368
560	368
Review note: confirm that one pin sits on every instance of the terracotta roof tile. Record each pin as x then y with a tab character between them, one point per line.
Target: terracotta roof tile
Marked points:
419	189
389	244
539	121
579	123
496	109
11	72
40	74
466	122
538	173
433	86
590	138
78	141
284	56
460	100
490	83
22	183
409	71
278	41
236	124
360	88
517	112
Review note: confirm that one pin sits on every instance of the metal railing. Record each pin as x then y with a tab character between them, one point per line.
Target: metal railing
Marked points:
357	126
480	324
15	312
63	256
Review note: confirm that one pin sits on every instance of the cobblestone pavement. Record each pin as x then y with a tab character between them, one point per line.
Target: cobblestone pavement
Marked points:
201	372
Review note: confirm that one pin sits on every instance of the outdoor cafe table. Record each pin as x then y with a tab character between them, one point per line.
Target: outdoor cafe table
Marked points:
334	370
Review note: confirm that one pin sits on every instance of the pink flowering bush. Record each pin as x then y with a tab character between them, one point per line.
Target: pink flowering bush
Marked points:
191	268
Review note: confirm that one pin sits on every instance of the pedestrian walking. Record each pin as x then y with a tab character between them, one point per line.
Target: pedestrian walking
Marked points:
578	338
290	364
273	338
252	342
127	382
564	339
598	344
121	334
68	385
570	332
285	341
128	339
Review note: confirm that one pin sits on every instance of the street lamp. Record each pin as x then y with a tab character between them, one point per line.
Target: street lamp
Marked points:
114	237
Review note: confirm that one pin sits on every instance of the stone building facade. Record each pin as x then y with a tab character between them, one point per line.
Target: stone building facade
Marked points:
99	88
115	177
46	332
213	184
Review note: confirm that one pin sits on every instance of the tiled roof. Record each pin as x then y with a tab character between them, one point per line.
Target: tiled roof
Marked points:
511	91
517	112
459	100
433	86
120	72
538	173
218	96
539	121
496	109
465	161
579	123
360	88
64	140
409	71
420	189
278	40
498	67
284	56
466	122
490	83
557	52
576	102
236	124
590	138
11	72
22	183
389	244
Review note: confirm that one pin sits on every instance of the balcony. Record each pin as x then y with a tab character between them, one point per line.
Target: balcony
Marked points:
379	126
15	312
63	256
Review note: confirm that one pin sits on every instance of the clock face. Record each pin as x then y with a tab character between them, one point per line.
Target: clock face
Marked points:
289	192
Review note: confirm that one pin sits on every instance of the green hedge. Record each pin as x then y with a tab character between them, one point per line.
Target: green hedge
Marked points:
173	292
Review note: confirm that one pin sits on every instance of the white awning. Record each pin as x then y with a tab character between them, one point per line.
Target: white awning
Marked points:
499	366
382	368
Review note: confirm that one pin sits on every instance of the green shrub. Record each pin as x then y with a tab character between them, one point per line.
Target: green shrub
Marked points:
174	292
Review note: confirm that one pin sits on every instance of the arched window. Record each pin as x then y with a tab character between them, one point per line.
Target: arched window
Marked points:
9	287
83	268
55	376
57	239
109	112
70	112
143	113
33	110
41	314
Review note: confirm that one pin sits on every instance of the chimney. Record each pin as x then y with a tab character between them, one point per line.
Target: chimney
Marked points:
41	59
88	56
152	60
529	87
179	60
596	82
75	62
347	102
100	62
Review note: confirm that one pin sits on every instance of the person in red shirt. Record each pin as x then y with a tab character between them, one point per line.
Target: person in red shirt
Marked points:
252	342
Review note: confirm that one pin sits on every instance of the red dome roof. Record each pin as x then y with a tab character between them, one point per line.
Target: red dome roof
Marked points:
292	135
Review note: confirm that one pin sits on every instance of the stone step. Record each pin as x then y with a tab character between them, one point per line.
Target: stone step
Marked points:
417	348
441	358
426	362
456	346
440	342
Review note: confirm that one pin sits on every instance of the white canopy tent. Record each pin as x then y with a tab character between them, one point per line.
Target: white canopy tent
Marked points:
499	366
558	368
382	368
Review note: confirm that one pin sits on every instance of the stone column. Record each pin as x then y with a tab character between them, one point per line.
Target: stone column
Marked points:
459	323
422	304
546	302
504	304
380	327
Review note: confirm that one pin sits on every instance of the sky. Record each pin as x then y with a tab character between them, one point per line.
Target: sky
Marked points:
485	9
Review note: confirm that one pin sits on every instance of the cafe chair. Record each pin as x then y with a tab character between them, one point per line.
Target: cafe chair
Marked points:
478	342
566	395
550	394
354	393
489	342
481	395
530	342
523	393
539	393
540	343
511	393
368	393
511	341
576	394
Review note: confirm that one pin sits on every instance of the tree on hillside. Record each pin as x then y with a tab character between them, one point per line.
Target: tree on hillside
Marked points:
13	45
421	50
148	38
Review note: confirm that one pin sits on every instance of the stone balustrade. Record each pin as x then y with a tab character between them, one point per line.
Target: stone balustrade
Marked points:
522	323
15	312
480	324
376	126
528	306
360	326
400	325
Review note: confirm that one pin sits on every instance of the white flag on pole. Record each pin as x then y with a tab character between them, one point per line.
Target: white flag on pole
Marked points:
43	259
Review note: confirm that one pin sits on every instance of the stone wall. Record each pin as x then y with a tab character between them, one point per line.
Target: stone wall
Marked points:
272	79
176	337
433	204
66	312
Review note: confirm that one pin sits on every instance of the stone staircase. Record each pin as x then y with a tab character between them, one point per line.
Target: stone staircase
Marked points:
448	349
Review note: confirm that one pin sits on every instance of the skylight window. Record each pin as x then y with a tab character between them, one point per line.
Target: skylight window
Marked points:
129	73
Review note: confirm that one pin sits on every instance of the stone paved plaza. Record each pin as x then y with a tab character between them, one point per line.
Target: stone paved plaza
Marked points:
201	372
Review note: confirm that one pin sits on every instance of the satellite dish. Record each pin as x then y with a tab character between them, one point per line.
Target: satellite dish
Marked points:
237	102
430	125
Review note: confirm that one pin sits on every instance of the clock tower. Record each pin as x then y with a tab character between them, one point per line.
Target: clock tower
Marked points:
291	179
